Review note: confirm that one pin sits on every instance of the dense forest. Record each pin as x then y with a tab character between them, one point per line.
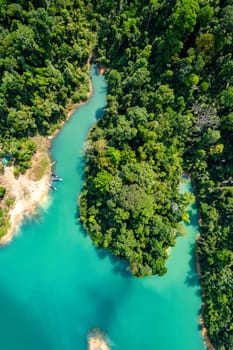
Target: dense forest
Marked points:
169	69
43	55
44	48
170	99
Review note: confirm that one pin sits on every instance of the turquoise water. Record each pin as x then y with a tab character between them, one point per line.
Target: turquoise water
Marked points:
55	286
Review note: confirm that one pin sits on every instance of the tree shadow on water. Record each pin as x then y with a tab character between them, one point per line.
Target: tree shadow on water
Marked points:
80	170
120	266
79	224
95	69
99	113
193	216
192	278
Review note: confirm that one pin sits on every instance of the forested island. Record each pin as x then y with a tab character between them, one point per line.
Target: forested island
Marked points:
169	70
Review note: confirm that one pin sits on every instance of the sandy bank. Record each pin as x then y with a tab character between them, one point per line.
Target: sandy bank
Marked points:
27	194
26	191
101	70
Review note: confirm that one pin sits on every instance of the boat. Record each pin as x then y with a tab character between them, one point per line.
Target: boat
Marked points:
53	187
57	179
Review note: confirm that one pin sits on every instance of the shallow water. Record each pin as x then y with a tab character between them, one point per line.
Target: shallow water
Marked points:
55	286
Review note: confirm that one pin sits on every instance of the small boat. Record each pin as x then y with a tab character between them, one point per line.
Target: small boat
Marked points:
57	178
53	187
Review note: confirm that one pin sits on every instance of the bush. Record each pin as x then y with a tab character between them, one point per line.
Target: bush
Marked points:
2	192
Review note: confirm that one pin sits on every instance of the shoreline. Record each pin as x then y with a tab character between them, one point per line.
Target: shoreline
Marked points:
25	205
27	192
37	192
204	330
72	107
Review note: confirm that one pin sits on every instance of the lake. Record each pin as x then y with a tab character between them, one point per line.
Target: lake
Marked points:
55	286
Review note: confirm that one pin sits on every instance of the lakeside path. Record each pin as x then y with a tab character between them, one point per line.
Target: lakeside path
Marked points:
27	192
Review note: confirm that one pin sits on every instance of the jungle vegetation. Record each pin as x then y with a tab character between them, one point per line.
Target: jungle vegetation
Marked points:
169	69
170	99
44	47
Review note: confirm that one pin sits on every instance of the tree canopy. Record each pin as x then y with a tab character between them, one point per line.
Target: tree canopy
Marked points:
169	110
170	98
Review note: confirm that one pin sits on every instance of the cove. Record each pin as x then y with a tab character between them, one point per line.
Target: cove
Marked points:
55	286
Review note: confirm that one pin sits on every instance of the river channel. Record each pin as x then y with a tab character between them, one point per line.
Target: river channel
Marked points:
55	286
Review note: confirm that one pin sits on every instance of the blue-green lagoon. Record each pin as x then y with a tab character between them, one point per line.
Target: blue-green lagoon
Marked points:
55	286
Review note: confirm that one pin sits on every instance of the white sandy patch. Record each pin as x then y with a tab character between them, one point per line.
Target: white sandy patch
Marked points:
27	195
26	192
95	343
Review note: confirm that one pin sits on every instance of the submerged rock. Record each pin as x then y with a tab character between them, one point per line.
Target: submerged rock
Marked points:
97	340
